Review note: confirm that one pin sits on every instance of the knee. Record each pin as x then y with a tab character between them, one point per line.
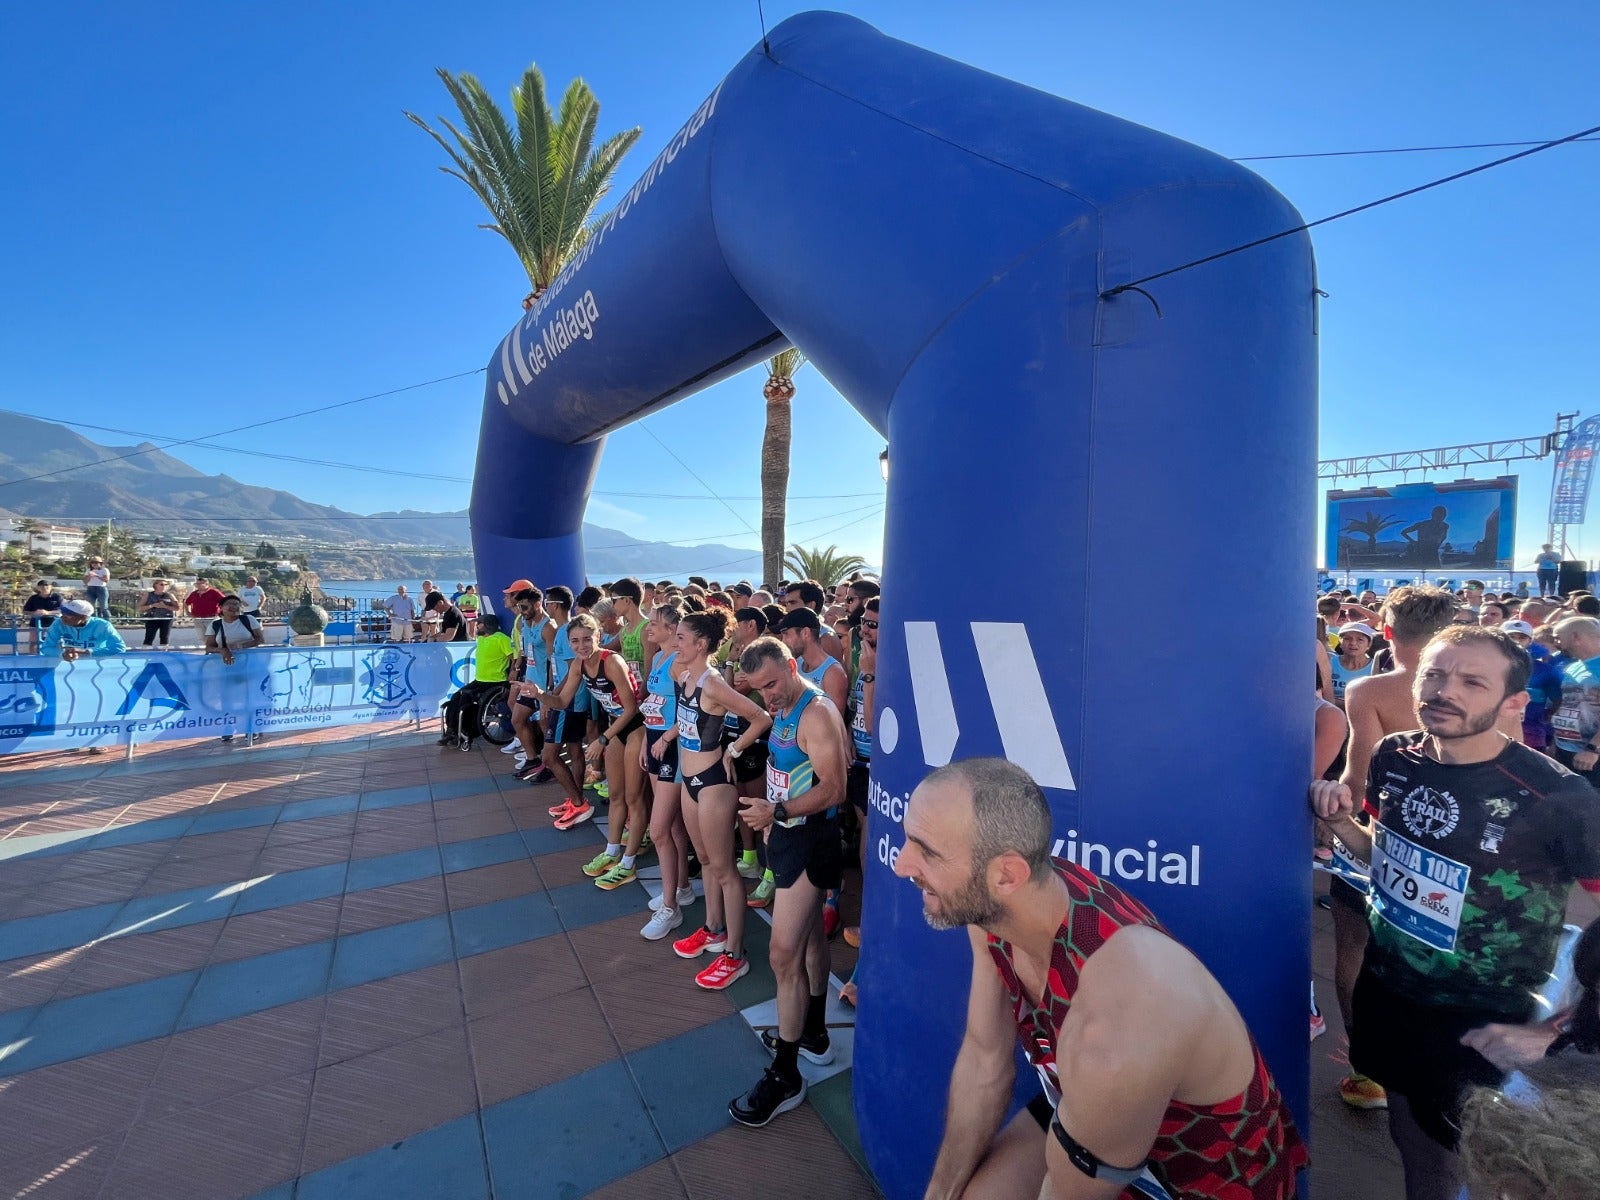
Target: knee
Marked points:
786	958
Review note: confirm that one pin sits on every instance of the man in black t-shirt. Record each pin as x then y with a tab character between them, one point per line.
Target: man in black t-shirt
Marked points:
452	626
42	606
1476	844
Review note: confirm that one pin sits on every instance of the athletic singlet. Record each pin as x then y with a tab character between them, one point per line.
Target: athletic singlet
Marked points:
815	674
632	645
536	652
603	689
660	707
789	771
1266	1149
698	730
1342	675
859	733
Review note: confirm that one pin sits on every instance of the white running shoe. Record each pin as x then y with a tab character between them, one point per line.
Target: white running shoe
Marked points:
686	897
663	923
511	747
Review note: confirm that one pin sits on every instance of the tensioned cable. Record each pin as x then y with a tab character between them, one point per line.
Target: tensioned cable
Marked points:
736	514
1397	150
752	553
1349	212
410	387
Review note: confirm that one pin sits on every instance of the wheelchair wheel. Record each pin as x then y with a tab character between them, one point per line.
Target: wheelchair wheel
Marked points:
494	718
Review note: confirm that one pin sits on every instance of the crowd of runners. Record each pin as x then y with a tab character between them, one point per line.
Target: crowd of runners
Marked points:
729	730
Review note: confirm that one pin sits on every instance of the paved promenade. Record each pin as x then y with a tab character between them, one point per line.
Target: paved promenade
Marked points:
348	964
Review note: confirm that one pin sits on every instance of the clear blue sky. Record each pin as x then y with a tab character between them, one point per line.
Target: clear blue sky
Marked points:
213	213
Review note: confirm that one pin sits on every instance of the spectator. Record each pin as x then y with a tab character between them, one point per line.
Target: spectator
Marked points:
97	586
232	630
158	608
203	603
452	626
81	634
41	607
253	597
402	614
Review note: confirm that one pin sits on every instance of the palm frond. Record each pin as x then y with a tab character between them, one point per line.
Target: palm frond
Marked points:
785	364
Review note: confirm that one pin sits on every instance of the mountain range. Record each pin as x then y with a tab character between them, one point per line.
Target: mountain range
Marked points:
51	473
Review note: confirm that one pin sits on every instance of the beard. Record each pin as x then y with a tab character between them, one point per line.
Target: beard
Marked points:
1471	724
972	905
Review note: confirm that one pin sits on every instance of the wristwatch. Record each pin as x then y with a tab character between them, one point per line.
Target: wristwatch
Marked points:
869	679
780	811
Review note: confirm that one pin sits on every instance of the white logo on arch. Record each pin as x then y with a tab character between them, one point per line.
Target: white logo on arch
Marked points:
1017	697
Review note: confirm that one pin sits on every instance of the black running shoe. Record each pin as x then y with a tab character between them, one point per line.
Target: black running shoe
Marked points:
819	1049
771	1096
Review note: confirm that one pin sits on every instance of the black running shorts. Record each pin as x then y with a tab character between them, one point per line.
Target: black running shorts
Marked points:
662	767
752	764
569	728
1415	1050
812	849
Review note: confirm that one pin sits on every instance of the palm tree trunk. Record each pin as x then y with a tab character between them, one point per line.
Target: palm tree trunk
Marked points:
775	483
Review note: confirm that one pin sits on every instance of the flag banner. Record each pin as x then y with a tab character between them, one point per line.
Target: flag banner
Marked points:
1569	486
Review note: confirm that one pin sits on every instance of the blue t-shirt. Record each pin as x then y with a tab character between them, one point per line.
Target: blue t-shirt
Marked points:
1577	719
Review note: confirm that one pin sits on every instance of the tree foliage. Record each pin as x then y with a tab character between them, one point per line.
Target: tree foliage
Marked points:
828	567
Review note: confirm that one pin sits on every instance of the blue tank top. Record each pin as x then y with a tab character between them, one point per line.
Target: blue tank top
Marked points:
815	675
697	729
858	721
660	707
1343	675
561	660
536	652
789	771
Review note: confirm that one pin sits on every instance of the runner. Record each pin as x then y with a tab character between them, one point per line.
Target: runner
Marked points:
660	763
1353	660
805	786
704	699
750	768
564	727
1476	843
862	693
1377	706
535	636
1150	1077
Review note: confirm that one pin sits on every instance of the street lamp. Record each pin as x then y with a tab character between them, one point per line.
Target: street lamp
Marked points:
883	464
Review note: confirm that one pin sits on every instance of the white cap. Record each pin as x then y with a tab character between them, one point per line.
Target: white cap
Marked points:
1521	627
1359	627
81	608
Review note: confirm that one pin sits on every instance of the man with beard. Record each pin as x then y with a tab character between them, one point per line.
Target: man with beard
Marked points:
1475	845
1150	1077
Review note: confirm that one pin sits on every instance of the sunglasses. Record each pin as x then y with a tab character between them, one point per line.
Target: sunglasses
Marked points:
869	624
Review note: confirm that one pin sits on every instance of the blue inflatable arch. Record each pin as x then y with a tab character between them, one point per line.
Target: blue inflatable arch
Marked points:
1068	466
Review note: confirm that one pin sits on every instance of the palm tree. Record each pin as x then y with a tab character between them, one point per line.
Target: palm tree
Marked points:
828	567
542	179
779	392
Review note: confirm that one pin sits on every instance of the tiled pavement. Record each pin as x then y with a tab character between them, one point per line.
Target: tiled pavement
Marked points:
349	965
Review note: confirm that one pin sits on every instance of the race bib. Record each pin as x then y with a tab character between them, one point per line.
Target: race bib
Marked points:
1568	724
1346	866
1418	892
651	711
778	792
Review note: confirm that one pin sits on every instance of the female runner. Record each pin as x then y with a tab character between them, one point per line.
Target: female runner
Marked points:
704	700
659	761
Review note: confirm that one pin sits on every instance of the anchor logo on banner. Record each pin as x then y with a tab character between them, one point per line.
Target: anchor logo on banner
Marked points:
27	701
387	677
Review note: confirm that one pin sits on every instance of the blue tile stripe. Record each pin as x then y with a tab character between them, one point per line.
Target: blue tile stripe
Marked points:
61	1030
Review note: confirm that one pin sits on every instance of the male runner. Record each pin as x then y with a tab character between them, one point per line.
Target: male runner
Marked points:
805	785
1376	707
801	631
1150	1077
809	594
1476	843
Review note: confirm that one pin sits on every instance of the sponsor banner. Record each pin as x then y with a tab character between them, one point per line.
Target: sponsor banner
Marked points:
1569	486
125	699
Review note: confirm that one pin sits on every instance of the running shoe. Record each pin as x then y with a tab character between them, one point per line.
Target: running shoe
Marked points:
686	896
1319	1026
600	864
762	896
830	918
601	789
576	814
852	936
661	923
525	769
541	774
749	870
557	810
772	1095
723	972
818	1049
511	748
1360	1092
701	941
616	877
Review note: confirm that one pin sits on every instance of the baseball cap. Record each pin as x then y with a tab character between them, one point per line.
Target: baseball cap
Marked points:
800	618
742	589
79	608
519	585
752	614
1521	627
1358	627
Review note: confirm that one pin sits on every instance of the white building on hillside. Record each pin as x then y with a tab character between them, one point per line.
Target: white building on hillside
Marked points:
58	541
